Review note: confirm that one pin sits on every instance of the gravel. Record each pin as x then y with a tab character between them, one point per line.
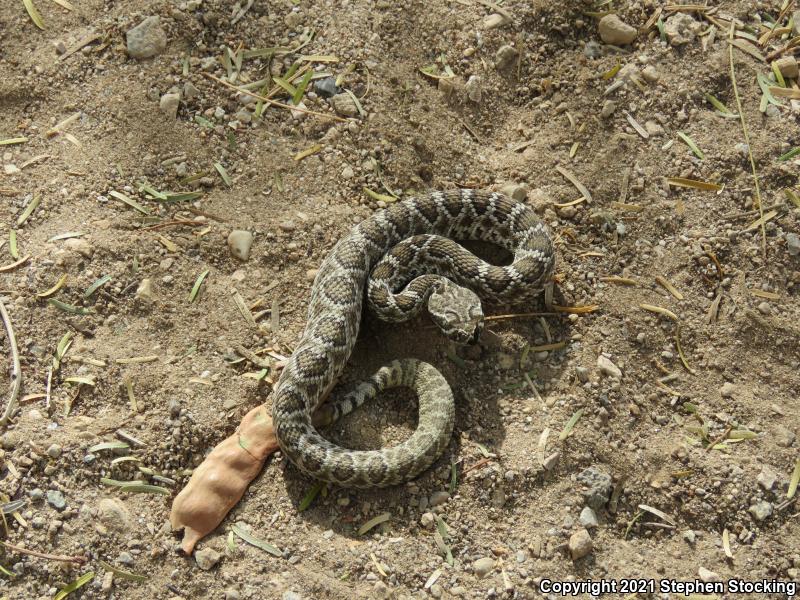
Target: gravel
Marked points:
588	518
599	485
761	510
207	558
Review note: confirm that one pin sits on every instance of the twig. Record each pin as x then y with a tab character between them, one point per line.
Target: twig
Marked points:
747	141
78	560
721	438
202	213
174	223
274	102
16	373
522	316
477	465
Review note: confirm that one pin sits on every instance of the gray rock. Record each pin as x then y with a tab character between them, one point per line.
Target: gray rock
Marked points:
190	92
290	595
239	243
427	520
56	499
580	544
145	290
243	115
689	536
327	87
599	484
681	29
474	88
551	461
727	390
615	31
588	518
764	308
608	368
81	246
125	558
761	510
784	437
147	39
207	558
505	57
343	104
438	498
767	478
582	374
39	522
231	594
169	104
483	566
793	244
174	409
54	451
36	494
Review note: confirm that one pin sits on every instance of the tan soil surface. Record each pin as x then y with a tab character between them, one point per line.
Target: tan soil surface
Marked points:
510	117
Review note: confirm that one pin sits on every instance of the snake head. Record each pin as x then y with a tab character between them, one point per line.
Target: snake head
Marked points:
457	311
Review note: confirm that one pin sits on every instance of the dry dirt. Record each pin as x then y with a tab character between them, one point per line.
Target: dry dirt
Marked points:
528	110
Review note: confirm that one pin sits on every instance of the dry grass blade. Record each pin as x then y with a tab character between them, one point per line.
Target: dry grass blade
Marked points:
59	284
137	487
669	287
541	447
223	173
310	496
307	152
14	265
16	371
29	209
761	220
74	585
70	308
693	183
123	574
130	202
578	185
65	123
197	284
746	136
570	425
660	514
619	280
33	13
374	522
254	541
662	311
726	543
692	146
794	481
379	197
16	140
745	46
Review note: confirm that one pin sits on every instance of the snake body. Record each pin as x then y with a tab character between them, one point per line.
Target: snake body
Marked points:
400	256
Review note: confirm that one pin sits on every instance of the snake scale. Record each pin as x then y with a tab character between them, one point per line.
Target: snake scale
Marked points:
406	258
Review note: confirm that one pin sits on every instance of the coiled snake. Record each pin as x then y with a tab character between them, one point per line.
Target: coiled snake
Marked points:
406	257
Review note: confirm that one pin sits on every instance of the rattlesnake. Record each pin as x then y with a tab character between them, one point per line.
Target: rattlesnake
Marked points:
400	256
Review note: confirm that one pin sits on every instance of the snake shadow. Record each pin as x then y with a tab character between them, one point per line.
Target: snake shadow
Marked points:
485	388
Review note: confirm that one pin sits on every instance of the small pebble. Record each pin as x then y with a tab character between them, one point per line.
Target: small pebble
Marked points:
707	576
343	104
169	104
608	368
580	544
764	308
615	31
727	390
609	106
239	243
207	558
788	67
54	451
483	566
761	510
784	437
588	518
56	499
494	20
515	191
438	498
767	478
793	244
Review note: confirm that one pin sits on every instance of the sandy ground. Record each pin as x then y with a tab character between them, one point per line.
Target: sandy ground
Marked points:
681	460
